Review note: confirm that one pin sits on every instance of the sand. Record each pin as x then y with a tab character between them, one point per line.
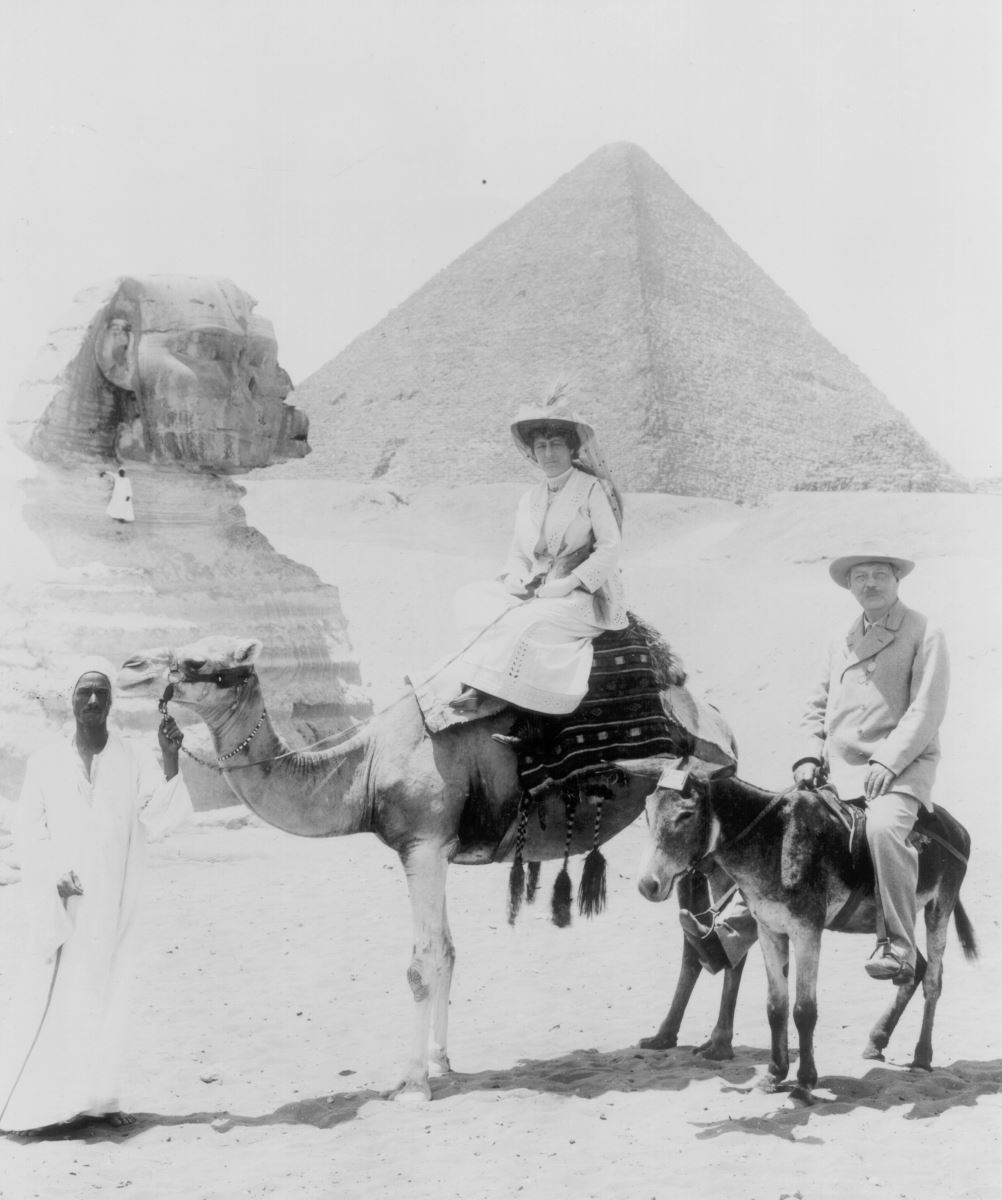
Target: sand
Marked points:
272	1008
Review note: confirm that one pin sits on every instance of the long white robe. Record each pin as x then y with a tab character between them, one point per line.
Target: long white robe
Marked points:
63	1040
120	505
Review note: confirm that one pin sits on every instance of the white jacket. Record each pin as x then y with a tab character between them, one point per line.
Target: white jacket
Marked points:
583	539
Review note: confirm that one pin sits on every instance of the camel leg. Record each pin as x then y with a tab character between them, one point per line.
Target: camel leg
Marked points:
430	970
937	923
720	1044
807	955
776	953
880	1034
438	1053
666	1037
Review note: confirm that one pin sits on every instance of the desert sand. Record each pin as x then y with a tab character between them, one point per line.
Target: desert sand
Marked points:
272	1008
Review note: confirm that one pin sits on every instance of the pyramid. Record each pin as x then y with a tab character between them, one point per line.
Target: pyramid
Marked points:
699	373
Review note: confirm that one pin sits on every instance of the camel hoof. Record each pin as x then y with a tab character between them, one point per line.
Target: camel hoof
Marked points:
665	1041
409	1091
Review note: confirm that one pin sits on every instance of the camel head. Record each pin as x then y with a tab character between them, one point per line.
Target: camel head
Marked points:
680	825
199	674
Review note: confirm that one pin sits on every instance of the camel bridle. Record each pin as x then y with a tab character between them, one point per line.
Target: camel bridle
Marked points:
225	677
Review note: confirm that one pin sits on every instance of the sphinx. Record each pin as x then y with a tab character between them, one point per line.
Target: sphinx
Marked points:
172	370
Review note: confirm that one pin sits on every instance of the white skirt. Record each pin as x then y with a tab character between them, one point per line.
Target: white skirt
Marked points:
536	654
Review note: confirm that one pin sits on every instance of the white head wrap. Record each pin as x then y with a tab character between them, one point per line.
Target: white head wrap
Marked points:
89	664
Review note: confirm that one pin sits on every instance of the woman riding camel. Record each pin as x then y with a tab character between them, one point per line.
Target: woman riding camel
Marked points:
528	634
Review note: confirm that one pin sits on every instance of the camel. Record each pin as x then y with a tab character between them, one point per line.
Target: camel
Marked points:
452	797
790	855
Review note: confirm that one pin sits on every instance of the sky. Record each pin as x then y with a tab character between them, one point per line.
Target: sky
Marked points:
330	156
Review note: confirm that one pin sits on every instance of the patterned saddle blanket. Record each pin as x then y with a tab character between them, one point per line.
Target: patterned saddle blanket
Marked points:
636	707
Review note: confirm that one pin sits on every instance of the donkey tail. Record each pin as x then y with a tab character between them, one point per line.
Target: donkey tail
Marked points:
965	931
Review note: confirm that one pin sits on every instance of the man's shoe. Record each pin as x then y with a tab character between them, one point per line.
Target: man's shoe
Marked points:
507	739
885	964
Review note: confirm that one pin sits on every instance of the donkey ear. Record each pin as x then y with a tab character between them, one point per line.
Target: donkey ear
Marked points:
246	652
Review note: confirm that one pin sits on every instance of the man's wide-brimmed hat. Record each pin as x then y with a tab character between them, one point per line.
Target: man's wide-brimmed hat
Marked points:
840	568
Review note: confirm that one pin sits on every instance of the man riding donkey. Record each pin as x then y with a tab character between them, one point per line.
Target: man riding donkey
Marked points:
870	728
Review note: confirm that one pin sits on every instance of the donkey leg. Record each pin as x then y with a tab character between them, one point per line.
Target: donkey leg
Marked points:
937	923
666	1037
807	954
776	953
430	969
720	1044
880	1034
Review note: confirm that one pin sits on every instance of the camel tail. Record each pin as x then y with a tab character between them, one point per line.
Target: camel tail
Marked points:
965	931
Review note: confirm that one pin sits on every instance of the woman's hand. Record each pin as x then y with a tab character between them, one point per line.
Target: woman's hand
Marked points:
553	589
513	584
69	885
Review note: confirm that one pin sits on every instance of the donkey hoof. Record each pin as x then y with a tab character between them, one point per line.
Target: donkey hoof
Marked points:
715	1051
920	1065
667	1041
873	1052
803	1095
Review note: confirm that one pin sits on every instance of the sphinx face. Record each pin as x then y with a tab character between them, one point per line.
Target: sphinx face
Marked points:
174	370
210	388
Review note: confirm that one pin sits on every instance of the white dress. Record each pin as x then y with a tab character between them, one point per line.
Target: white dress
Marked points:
537	653
62	1041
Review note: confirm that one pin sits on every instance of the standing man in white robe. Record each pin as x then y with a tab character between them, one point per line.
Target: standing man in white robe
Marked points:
87	807
120	505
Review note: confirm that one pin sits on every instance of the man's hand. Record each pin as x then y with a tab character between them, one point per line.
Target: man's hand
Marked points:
806	775
878	780
553	589
69	885
170	738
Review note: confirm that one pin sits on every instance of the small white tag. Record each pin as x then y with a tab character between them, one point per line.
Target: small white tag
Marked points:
673	780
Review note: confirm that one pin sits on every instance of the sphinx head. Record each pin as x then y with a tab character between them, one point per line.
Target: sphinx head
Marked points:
165	369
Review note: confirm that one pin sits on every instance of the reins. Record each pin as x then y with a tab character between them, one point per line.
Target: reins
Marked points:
234	677
714	845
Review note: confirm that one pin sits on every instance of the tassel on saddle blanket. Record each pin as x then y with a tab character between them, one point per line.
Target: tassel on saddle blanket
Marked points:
577	769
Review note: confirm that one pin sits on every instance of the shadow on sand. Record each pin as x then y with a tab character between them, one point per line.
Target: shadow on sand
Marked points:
921	1093
591	1073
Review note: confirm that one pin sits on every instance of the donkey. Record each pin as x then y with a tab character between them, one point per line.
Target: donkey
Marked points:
790	855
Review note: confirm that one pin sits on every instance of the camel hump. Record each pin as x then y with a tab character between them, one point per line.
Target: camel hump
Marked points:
665	663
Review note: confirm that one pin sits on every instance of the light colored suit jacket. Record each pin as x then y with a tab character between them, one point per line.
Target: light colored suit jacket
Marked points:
881	698
583	539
